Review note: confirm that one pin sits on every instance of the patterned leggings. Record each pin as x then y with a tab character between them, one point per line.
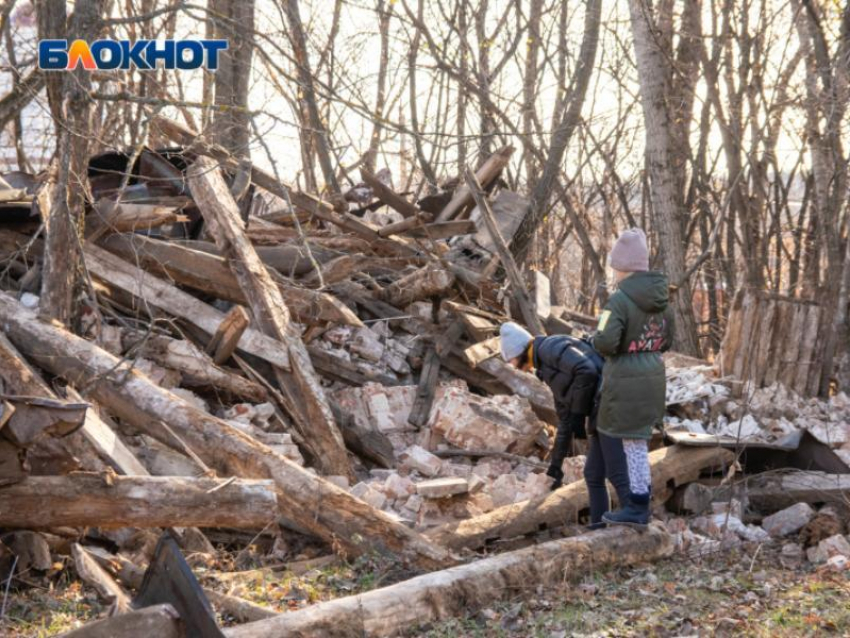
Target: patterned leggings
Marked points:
623	462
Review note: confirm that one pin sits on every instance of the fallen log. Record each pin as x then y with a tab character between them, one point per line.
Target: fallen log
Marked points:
772	492
325	510
210	274
91	573
670	466
161	621
195	366
288	259
100	500
428	281
407	605
108	216
306	399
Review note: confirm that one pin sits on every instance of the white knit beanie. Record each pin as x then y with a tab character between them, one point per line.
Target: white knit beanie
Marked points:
630	253
514	340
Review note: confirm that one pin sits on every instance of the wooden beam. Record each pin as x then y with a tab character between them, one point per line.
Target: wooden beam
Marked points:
161	621
84	499
318	506
211	274
408	605
520	291
388	196
91	573
227	335
196	368
443	230
670	466
428	378
405	225
463	196
482	351
428	281
306	401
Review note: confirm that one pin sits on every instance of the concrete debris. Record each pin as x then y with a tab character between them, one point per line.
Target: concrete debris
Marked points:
836	545
503	423
442	487
421	460
399	487
688	385
369	494
789	520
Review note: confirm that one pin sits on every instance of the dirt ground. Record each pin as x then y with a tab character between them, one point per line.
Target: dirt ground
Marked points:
745	591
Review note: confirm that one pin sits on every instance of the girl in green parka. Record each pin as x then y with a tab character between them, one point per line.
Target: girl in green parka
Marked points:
635	327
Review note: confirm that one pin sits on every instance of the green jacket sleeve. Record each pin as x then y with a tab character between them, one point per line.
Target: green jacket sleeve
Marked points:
609	330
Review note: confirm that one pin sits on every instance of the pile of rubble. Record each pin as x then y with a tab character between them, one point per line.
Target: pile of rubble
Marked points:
252	366
703	404
819	536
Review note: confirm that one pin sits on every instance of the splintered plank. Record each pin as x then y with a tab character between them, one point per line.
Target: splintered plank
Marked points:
519	290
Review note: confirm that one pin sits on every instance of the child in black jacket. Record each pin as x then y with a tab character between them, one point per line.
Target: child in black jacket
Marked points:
571	368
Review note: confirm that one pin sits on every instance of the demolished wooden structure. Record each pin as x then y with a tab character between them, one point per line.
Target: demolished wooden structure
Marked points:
180	332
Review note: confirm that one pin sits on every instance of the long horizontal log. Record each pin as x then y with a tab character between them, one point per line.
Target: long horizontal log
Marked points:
403	607
289	259
318	506
95	500
776	491
672	466
211	274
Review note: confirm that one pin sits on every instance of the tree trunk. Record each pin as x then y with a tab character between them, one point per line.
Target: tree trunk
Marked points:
99	500
64	219
566	126
233	20
319	132
665	188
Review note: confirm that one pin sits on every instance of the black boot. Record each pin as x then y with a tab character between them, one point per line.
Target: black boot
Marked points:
557	474
634	513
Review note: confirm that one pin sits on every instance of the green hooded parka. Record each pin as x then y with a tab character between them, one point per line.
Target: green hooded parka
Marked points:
634	328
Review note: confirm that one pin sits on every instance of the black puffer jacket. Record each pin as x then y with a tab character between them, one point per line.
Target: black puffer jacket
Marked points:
572	369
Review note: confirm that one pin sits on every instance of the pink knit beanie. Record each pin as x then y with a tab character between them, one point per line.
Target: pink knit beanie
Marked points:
630	253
